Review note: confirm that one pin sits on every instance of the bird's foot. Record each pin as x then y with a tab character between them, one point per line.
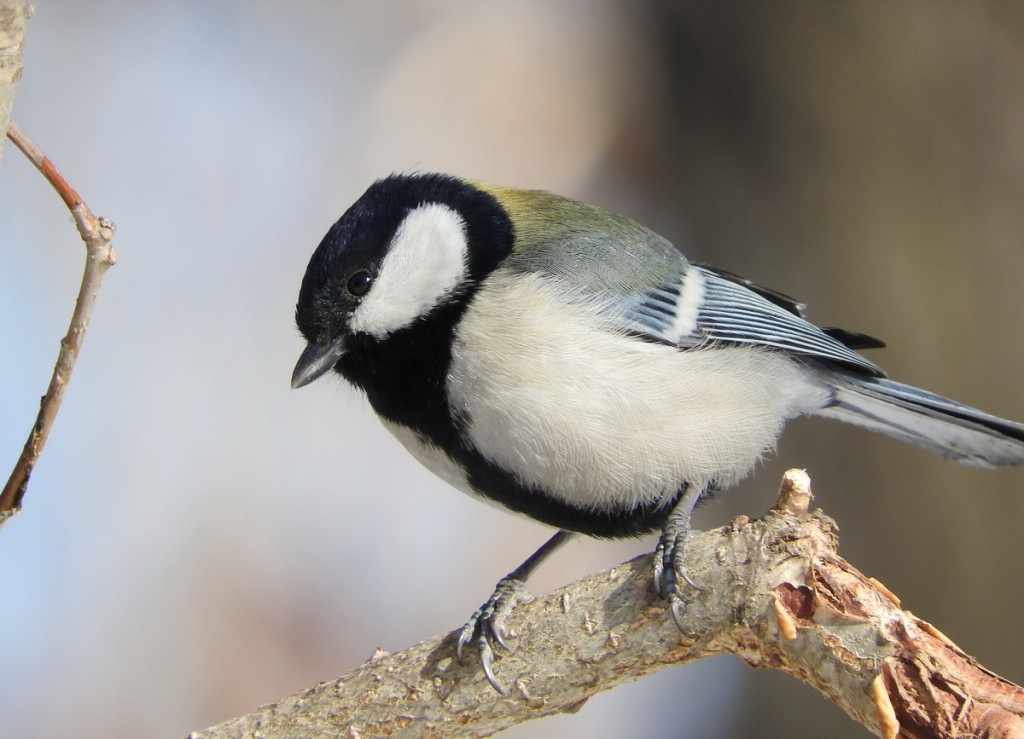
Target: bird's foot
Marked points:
669	557
669	571
487	626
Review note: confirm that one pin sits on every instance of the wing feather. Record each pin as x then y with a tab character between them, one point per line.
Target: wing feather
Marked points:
731	311
645	286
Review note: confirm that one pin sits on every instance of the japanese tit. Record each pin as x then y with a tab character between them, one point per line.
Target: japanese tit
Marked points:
573	366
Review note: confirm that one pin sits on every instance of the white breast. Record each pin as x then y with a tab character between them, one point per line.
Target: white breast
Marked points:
430	456
600	419
436	460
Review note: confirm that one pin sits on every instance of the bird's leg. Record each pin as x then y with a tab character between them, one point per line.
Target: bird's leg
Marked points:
487	624
669	554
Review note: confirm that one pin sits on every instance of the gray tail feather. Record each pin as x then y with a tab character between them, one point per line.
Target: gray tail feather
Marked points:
938	424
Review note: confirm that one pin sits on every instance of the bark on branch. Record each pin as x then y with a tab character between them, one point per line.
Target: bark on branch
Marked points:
14	15
776	594
96	233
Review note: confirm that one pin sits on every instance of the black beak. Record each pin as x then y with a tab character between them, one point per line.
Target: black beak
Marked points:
316	360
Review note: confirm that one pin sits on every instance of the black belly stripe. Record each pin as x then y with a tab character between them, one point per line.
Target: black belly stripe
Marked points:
497	484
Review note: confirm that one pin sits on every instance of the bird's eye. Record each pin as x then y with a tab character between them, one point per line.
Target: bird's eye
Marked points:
359	283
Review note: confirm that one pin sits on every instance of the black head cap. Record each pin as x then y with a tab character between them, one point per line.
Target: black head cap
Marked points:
350	255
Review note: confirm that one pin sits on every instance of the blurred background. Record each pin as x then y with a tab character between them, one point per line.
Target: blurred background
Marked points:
198	539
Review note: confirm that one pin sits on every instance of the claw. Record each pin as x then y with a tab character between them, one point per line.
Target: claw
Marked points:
498	634
678	552
487	624
487	663
464	636
668	563
674	609
669	554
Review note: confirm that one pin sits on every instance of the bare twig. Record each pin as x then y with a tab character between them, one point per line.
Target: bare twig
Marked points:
775	593
99	255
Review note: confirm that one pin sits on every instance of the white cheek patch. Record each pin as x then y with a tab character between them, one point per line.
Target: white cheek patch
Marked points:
425	265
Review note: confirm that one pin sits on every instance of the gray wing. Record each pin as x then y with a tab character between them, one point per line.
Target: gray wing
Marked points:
646	286
706	307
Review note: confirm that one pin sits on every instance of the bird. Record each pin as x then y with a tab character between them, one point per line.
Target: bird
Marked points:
571	365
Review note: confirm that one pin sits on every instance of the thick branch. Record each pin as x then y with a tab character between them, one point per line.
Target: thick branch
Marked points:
99	256
776	594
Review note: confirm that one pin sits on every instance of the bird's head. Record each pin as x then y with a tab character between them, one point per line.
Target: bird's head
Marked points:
409	246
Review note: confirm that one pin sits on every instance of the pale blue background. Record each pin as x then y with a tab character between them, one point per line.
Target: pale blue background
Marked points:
198	539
